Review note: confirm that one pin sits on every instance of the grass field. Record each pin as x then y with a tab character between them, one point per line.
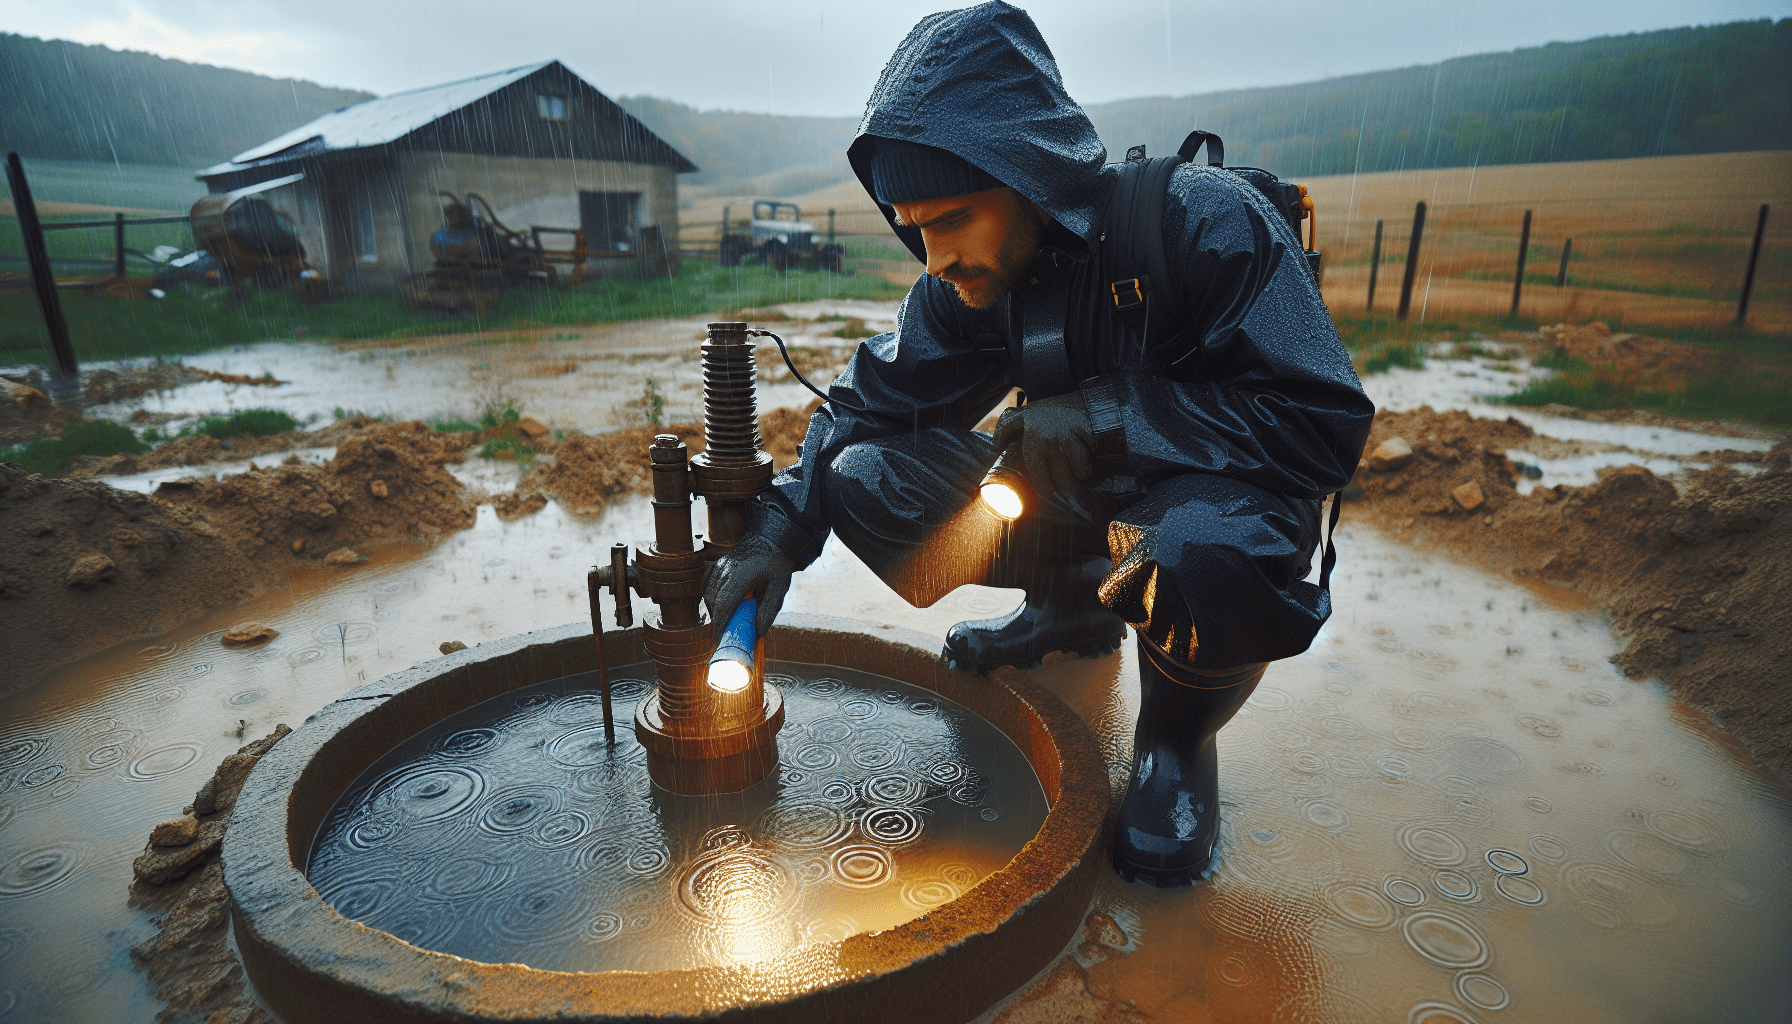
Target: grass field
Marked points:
96	190
108	328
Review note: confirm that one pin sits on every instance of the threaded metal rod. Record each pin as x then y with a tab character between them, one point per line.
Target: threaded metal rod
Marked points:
730	408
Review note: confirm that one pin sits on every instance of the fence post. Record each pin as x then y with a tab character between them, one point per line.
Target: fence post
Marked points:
1562	274
1374	266
41	277
118	244
1412	260
1524	244
1754	256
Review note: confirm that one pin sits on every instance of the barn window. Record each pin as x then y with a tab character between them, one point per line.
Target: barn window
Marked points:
551	108
368	247
608	220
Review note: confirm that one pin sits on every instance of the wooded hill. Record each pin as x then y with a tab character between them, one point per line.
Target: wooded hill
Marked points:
1710	89
66	101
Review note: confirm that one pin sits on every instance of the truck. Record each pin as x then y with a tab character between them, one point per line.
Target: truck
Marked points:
779	237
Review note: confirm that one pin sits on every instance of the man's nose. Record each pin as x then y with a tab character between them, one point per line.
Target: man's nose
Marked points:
939	256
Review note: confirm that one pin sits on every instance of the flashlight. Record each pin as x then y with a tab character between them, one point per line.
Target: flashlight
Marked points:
731	668
1005	490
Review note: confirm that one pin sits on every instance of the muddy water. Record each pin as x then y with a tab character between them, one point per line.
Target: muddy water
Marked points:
513	833
1452	803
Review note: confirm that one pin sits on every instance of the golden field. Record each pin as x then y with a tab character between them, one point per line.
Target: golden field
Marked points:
1661	241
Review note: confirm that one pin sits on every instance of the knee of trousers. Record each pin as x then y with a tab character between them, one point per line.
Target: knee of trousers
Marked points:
1211	570
885	497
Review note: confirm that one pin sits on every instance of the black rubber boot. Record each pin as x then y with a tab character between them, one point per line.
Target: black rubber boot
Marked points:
1061	613
1170	820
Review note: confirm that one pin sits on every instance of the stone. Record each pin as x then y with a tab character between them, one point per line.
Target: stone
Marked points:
533	430
248	634
298	545
174	832
343	556
379	489
90	570
266	743
1469	496
229	779
158	865
450	646
126	538
1390	454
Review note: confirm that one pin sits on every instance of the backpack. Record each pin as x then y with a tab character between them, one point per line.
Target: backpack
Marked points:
1135	245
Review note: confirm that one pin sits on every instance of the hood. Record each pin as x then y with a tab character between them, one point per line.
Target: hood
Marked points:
982	84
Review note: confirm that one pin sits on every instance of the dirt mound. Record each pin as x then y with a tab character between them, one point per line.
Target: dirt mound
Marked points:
199	449
27	414
384	483
84	566
589	470
1691	578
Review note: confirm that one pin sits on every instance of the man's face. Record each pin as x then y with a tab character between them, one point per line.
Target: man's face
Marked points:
979	243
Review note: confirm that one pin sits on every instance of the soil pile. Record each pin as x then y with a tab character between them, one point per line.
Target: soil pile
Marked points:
385	482
198	449
588	471
84	566
27	414
1691	578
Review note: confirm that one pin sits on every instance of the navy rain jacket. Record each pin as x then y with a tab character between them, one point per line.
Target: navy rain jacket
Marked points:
1271	400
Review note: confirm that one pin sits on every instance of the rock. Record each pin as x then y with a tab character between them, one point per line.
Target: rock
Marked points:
174	832
126	538
450	646
343	556
516	505
158	865
89	570
1390	454
266	743
534	431
298	545
379	489
1469	496
245	634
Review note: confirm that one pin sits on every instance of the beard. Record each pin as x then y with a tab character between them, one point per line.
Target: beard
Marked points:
981	287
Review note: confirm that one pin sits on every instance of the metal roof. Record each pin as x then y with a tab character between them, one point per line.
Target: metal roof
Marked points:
377	122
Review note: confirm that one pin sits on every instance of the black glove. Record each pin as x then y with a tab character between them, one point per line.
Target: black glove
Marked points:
1056	442
755	563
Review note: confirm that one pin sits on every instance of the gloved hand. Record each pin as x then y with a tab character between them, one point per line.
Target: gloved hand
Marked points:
1056	442
753	564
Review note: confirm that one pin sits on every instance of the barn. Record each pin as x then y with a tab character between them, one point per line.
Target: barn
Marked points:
363	185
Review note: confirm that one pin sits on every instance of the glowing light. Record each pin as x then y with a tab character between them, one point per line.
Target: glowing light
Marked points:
728	676
1002	499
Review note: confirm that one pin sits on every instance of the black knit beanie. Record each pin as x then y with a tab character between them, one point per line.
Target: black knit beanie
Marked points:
908	172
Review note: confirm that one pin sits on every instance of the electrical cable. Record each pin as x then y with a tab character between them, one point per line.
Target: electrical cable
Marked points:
786	354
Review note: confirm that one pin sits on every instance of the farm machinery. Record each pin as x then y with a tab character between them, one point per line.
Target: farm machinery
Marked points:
781	239
477	258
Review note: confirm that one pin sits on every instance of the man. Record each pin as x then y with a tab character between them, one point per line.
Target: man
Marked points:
1178	480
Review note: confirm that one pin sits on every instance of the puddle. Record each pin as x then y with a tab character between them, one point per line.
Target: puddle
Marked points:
1452	801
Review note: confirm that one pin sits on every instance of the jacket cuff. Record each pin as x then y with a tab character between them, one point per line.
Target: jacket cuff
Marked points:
766	519
1108	429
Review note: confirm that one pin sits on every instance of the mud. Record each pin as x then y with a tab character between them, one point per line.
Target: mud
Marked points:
1688	572
84	565
27	414
199	449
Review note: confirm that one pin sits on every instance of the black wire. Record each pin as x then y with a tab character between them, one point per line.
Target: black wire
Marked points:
786	354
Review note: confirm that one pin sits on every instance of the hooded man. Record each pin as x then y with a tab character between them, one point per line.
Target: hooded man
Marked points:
1177	484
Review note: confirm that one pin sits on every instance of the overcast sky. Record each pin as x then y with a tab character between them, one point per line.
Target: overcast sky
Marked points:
818	57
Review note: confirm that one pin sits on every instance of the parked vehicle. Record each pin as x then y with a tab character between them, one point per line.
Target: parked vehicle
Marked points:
779	237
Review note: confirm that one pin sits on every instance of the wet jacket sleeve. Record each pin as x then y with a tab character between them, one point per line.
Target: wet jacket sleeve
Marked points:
1273	400
927	373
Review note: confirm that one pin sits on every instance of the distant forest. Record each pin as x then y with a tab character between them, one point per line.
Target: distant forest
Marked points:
1689	90
1715	89
66	101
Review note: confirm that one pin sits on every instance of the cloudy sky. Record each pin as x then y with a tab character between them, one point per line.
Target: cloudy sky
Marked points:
821	57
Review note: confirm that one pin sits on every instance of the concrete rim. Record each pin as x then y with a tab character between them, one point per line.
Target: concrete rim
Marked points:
950	964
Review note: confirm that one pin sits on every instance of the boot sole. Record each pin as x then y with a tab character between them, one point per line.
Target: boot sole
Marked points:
1089	649
1165	878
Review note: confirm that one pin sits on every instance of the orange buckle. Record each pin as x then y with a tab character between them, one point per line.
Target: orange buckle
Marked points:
1137	285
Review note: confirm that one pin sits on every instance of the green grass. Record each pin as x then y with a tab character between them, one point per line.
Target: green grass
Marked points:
140	186
108	328
1763	398
256	422
50	456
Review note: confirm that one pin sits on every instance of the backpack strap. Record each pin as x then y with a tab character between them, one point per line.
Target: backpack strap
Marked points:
1133	233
